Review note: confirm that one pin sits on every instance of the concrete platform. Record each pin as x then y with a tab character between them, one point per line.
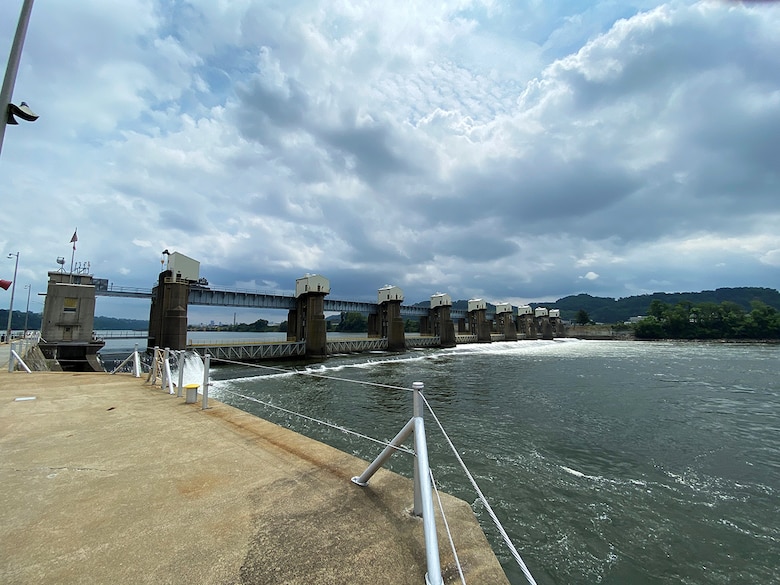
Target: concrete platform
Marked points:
104	479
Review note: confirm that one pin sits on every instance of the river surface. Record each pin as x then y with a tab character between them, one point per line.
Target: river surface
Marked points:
606	462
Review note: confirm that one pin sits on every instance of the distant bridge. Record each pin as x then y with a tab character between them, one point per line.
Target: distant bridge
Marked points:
253	351
306	309
224	297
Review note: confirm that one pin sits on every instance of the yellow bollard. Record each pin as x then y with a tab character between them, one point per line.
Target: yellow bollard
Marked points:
191	393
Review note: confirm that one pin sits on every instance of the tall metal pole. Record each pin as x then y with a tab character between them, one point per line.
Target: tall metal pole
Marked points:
13	66
11	306
27	312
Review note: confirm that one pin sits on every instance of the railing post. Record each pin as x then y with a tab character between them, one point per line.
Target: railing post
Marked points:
417	412
423	490
154	370
164	380
181	374
433	576
136	362
206	366
167	379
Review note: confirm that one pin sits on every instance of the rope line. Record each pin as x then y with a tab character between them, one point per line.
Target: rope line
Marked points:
447	528
314	375
345	430
318	421
484	501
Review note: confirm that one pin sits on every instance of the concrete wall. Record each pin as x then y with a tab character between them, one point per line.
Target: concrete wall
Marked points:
67	340
69	309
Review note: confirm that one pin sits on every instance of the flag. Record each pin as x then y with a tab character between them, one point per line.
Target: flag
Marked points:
4	284
74	239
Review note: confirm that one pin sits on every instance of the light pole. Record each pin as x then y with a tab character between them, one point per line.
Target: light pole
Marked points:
10	74
11	306
27	312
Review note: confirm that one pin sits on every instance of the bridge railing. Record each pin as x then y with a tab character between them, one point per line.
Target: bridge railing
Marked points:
252	351
356	345
423	341
121	334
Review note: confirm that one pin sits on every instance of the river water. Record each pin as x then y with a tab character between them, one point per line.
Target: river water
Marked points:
606	462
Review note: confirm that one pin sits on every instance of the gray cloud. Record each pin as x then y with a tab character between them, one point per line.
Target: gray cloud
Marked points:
487	152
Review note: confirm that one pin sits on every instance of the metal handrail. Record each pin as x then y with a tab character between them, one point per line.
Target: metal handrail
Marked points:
423	492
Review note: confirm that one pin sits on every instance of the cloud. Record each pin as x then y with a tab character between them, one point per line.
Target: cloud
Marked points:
480	148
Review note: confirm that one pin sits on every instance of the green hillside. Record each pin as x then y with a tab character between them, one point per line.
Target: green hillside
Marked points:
607	310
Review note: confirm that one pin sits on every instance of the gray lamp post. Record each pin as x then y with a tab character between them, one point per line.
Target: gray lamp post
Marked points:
27	311
11	306
7	109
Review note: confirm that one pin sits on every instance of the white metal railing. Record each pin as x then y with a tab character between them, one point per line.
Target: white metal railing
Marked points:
160	372
356	345
424	483
252	351
422	341
18	349
122	334
15	358
135	358
518	559
423	495
395	445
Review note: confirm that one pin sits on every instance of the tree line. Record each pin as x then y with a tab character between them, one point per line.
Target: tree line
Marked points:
34	320
358	323
708	320
608	310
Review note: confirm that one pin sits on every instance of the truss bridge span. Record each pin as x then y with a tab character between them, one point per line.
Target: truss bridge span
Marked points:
253	299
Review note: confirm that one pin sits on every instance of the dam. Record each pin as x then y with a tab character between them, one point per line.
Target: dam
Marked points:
70	302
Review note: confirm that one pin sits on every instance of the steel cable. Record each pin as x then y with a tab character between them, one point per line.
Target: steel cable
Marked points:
481	496
484	501
318	421
447	528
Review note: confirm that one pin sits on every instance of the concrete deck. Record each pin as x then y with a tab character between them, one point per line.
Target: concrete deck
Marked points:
106	479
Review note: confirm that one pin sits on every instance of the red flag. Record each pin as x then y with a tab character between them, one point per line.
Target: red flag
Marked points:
4	284
74	239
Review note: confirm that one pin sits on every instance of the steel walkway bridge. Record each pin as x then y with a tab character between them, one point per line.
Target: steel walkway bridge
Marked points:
254	351
249	299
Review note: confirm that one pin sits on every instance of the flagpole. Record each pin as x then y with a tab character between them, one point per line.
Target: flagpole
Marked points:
73	240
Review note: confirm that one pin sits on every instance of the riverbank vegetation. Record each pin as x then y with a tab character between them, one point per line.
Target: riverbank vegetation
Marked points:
608	310
708	320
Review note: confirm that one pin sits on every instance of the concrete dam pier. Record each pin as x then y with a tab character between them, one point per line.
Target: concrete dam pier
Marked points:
70	303
440	325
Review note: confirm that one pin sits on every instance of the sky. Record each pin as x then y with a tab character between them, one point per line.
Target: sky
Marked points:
514	151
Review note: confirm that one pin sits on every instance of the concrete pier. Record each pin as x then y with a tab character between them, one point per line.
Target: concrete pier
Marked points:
67	323
168	312
106	479
478	320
